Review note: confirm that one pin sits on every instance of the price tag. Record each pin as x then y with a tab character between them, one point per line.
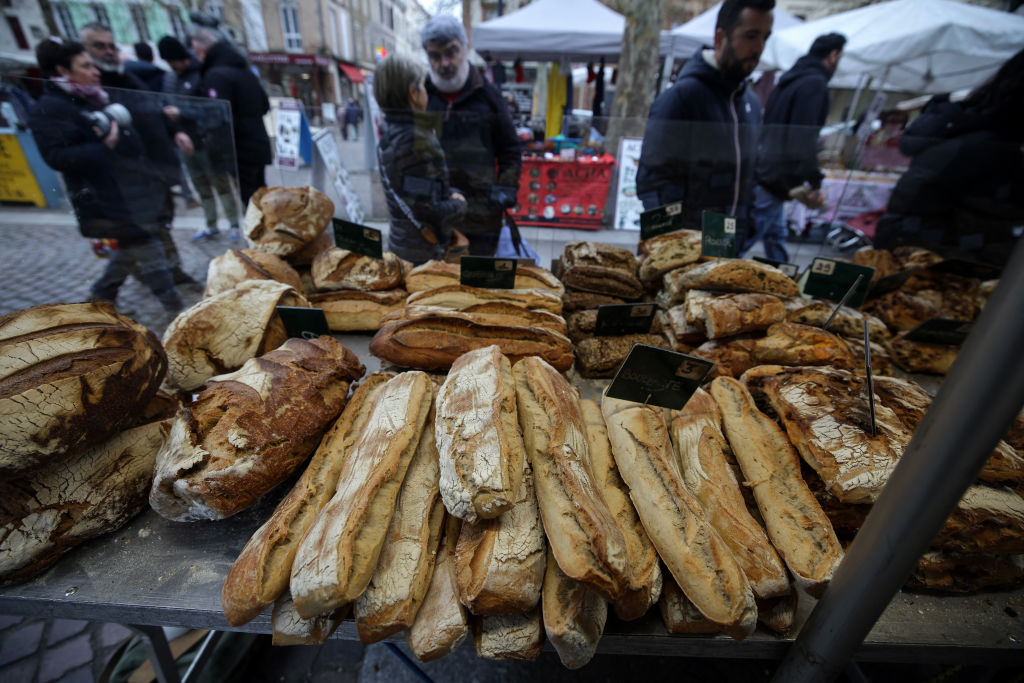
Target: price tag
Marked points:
831	279
718	235
890	283
940	331
790	270
658	377
965	268
615	319
358	239
484	271
306	323
661	220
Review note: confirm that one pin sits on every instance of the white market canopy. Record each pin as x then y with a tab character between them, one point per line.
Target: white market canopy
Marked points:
553	30
920	46
682	41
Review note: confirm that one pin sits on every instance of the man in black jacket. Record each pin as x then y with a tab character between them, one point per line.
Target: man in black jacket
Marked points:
226	76
787	165
701	135
477	133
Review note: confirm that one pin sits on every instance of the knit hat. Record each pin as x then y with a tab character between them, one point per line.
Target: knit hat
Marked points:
171	49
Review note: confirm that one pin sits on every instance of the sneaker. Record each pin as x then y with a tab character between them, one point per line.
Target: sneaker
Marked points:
207	234
180	277
123	310
234	234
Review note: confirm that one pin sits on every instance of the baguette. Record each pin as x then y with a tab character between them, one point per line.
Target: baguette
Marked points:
499	563
338	555
574	616
703	454
580	528
795	521
679	614
645	579
406	562
290	628
441	624
479	445
689	546
509	636
779	614
460	296
261	572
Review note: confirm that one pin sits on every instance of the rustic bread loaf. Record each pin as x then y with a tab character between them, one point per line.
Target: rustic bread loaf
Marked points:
260	574
352	311
248	430
986	520
479	445
491	313
509	636
283	220
725	315
955	295
290	628
779	614
679	614
580	528
684	331
304	257
434	342
434	274
45	513
795	521
600	268
923	357
915	257
342	269
849	322
602	356
881	260
582	324
732	357
644	566
792	344
901	311
406	563
574	616
441	623
221	333
459	297
966	573
338	555
693	551
703	456
667	252
239	265
581	301
728	275
71	376
499	562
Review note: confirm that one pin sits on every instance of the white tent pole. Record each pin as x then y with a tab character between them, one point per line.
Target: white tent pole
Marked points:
666	71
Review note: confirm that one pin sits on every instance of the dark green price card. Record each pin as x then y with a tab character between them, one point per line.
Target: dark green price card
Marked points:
307	323
718	235
831	280
940	331
615	319
790	270
484	271
661	220
358	239
658	377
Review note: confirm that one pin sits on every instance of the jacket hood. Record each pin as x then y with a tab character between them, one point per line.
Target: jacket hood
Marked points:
804	66
697	67
222	53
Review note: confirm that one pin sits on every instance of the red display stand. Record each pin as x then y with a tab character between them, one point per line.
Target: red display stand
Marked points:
560	193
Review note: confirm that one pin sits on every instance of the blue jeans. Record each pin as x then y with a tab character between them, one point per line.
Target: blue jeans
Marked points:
147	262
769	225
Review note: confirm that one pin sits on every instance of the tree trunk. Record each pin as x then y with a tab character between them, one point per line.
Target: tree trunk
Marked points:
638	69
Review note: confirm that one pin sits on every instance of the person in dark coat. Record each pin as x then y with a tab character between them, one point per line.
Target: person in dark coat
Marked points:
110	180
963	194
787	166
353	117
226	76
477	133
701	138
143	68
423	206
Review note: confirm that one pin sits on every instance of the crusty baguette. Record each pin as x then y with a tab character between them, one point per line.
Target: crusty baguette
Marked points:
441	624
724	315
460	296
574	616
338	555
389	604
702	451
261	572
644	565
490	313
509	636
290	628
433	274
679	614
779	614
795	521
693	551
499	563
479	445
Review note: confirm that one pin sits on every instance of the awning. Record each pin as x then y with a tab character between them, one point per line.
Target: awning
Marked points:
352	72
288	58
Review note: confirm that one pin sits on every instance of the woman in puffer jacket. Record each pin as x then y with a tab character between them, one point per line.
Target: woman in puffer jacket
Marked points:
424	208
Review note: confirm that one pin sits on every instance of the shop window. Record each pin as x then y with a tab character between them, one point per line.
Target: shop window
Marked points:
99	12
19	34
62	15
138	13
387	14
290	27
177	24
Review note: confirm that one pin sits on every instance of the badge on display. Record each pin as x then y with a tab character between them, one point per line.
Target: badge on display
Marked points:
658	377
359	239
487	272
305	323
718	235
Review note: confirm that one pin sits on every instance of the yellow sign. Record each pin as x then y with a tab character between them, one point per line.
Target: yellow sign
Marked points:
17	182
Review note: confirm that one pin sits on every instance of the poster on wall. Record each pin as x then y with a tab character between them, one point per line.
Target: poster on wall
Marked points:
289	129
329	157
628	206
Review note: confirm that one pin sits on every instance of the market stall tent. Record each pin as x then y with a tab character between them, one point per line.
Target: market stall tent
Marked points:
682	41
553	31
920	46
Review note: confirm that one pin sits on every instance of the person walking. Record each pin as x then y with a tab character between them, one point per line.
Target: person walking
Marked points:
701	138
225	75
787	166
353	117
424	208
110	180
477	134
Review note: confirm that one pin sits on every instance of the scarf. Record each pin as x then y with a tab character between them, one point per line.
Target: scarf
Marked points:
93	94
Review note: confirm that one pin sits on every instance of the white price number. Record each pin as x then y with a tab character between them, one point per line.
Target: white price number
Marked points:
730	225
823	266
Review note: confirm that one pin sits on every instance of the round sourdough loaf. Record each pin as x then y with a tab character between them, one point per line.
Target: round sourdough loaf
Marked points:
337	268
71	376
283	220
220	333
239	265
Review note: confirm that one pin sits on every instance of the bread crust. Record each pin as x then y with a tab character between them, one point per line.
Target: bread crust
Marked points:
728	275
725	315
441	624
667	252
352	311
433	274
458	297
574	616
601	269
283	220
238	265
342	269
509	636
290	628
